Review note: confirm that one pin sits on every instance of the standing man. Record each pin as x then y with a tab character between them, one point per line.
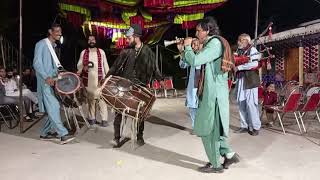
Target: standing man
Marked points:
93	66
138	64
46	65
212	118
192	99
247	86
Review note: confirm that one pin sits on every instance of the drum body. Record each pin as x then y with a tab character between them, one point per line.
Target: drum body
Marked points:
129	99
69	90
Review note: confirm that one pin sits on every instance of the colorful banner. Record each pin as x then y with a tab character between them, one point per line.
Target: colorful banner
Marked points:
180	18
77	9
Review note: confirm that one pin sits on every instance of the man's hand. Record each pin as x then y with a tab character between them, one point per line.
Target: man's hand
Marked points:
188	41
50	81
85	68
235	69
180	44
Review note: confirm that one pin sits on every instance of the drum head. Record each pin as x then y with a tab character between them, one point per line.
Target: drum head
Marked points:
68	83
124	85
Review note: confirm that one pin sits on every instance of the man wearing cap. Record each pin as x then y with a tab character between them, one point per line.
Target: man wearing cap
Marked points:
137	63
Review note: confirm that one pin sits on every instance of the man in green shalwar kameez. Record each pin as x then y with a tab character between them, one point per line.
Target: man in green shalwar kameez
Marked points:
212	118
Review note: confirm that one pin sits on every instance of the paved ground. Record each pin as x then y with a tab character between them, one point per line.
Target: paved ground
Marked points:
170	153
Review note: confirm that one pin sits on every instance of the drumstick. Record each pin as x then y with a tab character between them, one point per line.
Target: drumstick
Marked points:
104	83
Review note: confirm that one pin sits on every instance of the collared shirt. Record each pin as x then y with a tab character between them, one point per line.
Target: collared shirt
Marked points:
10	86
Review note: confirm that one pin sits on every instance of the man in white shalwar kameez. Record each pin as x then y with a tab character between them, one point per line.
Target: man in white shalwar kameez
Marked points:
93	67
247	86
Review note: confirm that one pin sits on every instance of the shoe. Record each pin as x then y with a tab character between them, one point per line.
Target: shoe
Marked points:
254	132
192	132
39	114
140	142
49	137
205	166
32	116
241	130
270	124
211	169
115	143
66	139
27	118
104	124
91	122
227	162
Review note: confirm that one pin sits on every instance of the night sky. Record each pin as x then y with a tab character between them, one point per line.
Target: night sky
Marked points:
234	17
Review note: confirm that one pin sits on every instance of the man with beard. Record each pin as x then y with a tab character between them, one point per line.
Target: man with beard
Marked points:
138	64
46	65
93	66
247	86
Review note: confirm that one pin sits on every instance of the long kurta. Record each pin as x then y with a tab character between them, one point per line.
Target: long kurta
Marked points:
93	83
93	72
45	68
192	99
248	98
215	90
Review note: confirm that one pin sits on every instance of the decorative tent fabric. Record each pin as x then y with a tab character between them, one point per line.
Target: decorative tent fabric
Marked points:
103	16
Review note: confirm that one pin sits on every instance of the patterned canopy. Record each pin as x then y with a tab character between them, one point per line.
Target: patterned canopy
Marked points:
109	18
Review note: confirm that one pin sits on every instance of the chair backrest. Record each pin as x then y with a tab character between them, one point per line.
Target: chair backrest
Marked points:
292	102
312	103
168	84
156	84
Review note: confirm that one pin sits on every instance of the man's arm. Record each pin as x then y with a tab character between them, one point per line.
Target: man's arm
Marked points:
117	63
105	62
80	63
38	60
210	52
254	58
155	65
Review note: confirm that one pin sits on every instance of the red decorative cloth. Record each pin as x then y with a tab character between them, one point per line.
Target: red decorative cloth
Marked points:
137	20
85	62
158	3
189	24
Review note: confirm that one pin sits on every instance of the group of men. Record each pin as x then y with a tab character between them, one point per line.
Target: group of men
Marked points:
207	91
135	63
9	87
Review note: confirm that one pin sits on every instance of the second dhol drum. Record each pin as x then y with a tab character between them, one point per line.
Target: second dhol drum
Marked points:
127	98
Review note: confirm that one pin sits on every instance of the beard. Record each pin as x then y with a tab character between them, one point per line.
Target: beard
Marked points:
92	45
132	45
242	46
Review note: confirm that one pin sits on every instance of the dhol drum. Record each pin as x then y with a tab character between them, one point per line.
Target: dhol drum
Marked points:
127	98
69	90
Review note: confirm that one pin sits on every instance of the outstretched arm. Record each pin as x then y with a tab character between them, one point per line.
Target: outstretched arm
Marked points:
38	61
210	52
117	64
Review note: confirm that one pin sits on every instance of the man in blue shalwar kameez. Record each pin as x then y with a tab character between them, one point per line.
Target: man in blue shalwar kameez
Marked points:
46	69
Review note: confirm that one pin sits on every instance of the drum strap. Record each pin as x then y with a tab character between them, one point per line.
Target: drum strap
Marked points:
53	54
